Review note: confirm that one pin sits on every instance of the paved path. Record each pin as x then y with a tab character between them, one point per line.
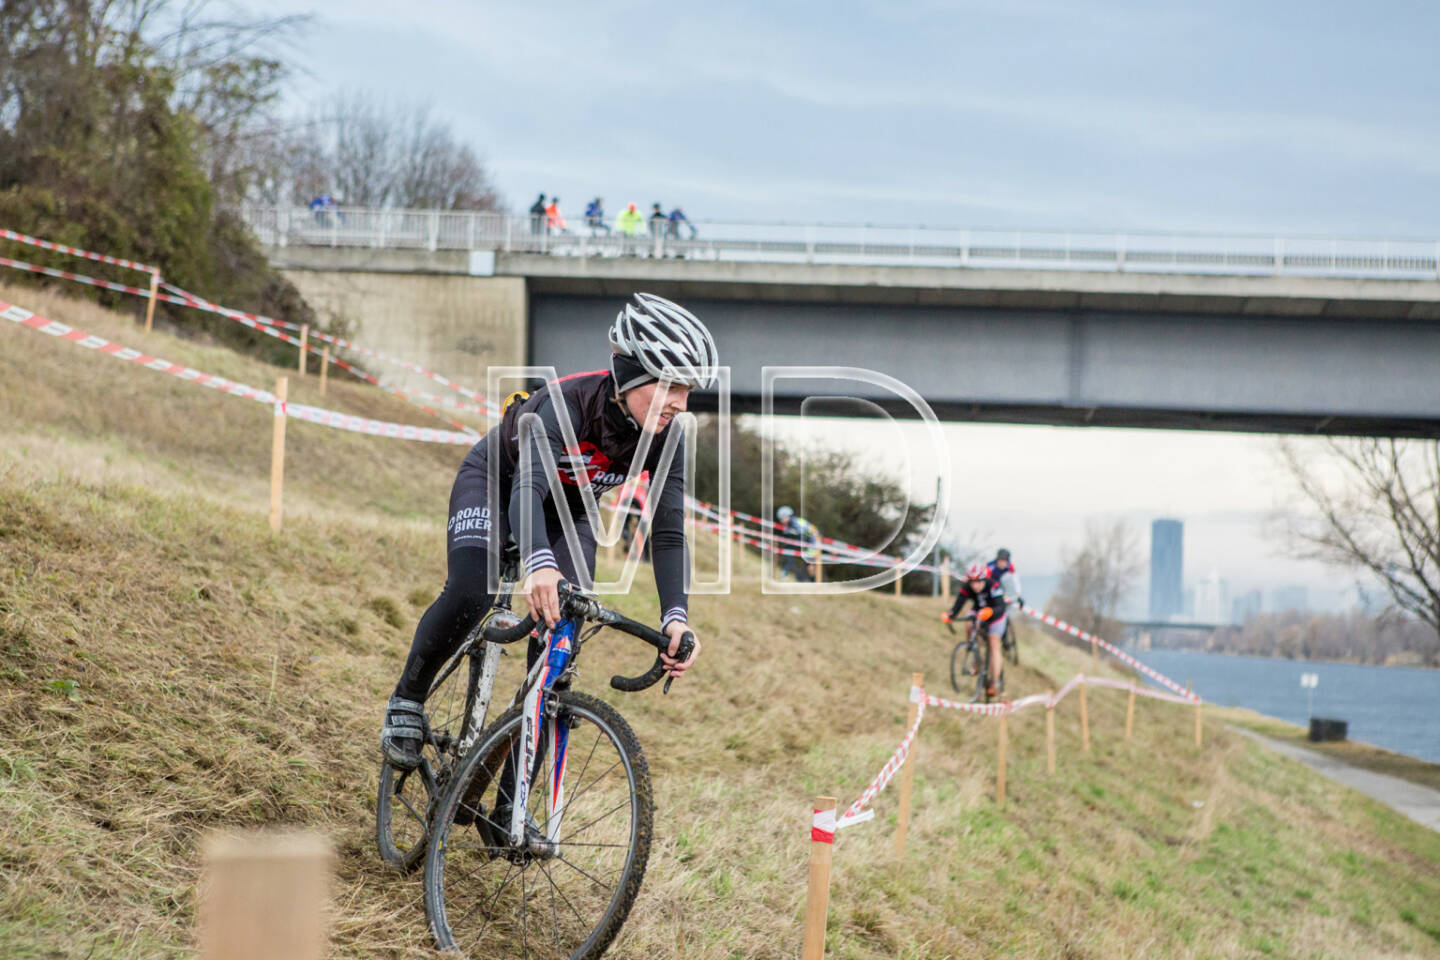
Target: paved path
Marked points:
1419	803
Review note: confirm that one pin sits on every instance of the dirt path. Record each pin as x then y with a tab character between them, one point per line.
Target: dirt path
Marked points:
1419	803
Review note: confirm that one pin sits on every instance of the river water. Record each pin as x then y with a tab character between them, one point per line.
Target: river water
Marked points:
1397	708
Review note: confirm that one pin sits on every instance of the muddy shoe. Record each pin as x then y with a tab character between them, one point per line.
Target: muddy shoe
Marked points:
403	733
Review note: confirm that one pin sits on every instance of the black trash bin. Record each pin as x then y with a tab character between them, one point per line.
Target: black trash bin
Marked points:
1323	728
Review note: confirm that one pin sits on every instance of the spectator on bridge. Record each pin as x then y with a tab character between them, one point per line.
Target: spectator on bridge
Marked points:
537	216
553	220
323	207
677	217
659	224
595	218
628	223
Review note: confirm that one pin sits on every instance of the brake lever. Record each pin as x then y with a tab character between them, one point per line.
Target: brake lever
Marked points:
683	653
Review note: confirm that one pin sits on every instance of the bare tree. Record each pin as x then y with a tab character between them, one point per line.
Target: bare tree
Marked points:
1378	512
376	155
1098	575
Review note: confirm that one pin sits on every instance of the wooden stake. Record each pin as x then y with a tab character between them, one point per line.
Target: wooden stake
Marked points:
150	307
907	773
945	579
1000	761
1130	712
1199	726
304	342
277	454
899	580
817	896
265	895
1050	734
819	568
324	367
1084	718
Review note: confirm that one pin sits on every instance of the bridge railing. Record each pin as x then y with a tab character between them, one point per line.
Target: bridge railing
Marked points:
882	245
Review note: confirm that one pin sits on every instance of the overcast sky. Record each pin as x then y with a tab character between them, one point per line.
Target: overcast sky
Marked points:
1316	117
1230	116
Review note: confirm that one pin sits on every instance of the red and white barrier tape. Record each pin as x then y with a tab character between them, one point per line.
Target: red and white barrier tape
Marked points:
80	278
483	405
984	709
329	418
857	813
74	251
1113	650
766	540
262	324
54	328
378	428
1070	684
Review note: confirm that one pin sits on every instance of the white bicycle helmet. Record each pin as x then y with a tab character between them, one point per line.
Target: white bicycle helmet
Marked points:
665	339
784	514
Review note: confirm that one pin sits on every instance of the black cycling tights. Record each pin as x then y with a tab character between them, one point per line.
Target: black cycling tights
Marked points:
446	623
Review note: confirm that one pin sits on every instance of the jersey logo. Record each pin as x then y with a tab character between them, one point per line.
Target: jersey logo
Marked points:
586	460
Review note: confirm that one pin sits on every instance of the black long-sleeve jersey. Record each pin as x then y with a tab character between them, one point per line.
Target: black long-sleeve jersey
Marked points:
606	438
991	595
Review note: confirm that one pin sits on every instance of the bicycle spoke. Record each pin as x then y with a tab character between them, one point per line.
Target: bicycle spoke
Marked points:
593	879
554	914
413	812
524	917
579	830
580	777
555	888
505	883
581	792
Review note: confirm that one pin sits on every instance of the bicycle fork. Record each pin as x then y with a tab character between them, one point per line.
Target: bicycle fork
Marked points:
559	648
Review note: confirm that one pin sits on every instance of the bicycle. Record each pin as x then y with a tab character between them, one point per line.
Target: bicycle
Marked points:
967	660
505	856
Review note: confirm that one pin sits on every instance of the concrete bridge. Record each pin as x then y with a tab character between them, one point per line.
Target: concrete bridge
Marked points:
1293	347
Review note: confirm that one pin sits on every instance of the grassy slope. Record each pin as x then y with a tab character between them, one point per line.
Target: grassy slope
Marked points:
225	677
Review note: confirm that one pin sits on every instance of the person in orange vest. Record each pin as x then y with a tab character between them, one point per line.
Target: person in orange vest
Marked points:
553	220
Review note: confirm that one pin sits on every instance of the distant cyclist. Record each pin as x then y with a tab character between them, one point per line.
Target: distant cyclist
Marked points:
660	352
798	528
985	593
1000	568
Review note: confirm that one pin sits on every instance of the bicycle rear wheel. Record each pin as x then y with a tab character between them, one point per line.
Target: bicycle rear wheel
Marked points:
405	798
484	897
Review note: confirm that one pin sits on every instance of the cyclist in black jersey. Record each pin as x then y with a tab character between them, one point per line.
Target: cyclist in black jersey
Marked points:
983	590
660	352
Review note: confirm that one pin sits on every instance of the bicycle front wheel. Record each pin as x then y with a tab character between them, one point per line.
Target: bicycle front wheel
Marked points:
1012	645
565	898
959	666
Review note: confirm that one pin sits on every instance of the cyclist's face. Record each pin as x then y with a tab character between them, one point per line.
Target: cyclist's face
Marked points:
655	404
977	585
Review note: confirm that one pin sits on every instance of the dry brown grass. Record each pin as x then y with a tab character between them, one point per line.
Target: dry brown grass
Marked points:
144	609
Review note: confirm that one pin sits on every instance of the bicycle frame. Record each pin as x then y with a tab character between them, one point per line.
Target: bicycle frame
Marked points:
560	647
